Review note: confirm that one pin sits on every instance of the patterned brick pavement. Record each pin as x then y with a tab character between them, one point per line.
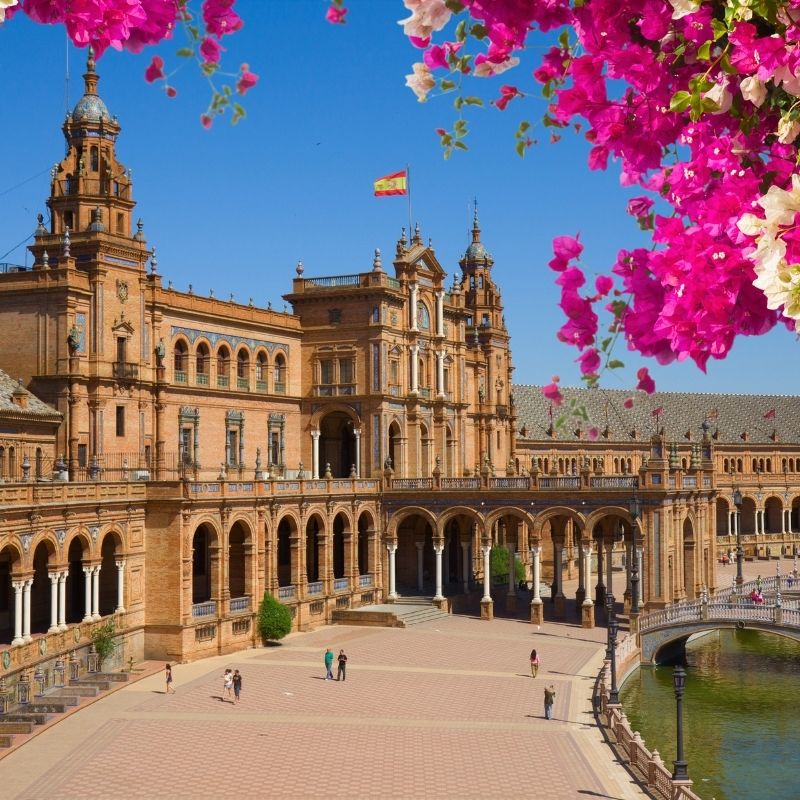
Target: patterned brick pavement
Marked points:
443	709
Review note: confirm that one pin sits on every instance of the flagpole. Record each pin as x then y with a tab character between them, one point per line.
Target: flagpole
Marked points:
408	187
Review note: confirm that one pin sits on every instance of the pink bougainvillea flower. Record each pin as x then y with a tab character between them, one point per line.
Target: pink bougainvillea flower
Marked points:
247	80
219	17
205	121
552	393
589	361
336	14
627	403
171	91
210	50
155	72
639	206
645	382
507	94
565	248
593	434
603	285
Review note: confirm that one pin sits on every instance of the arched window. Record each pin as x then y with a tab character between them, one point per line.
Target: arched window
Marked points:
739	465
755	465
12	464
279	374
261	371
223	366
94	159
2	462
242	370
202	364
769	465
630	466
725	465
783	465
423	317
38	463
181	361
683	463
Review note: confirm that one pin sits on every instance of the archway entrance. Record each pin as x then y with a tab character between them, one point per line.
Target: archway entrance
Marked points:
238	540
202	542
40	591
688	560
337	444
286	530
109	574
76	581
415	560
395	449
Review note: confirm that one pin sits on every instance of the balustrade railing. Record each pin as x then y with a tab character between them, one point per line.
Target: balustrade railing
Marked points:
412	483
207	609
551	482
461	483
240	604
286	593
341	584
314	588
614	482
364	580
509	483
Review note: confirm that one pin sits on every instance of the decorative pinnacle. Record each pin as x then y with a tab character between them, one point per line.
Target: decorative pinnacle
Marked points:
90	60
45	259
66	245
299	269
153	262
417	236
40	229
139	235
377	266
210	292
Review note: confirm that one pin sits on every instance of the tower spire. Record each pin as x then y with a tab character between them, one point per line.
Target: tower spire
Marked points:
90	77
476	228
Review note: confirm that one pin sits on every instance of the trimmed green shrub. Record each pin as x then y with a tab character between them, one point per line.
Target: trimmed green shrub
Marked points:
498	563
274	619
103	641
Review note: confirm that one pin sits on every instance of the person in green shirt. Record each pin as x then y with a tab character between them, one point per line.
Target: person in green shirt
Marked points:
328	664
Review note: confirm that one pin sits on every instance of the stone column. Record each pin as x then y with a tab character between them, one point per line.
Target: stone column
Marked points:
87	594
62	600
440	373
587	606
559	604
465	570
639	565
440	313
600	589
581	593
783	521
26	610
413	300
537	607
315	454
511	597
414	369
18	589
96	593
357	434
420	566
120	586
54	576
730	529
487	609
610	567
438	547
392	548
626	595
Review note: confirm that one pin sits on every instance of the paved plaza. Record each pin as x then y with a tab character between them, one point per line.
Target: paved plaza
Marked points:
446	708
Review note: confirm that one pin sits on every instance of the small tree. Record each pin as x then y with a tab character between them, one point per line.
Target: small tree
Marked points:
498	562
103	641
274	619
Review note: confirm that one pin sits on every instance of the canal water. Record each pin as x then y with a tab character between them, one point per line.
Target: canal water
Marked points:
741	715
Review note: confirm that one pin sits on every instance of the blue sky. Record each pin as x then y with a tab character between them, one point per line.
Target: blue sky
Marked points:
234	208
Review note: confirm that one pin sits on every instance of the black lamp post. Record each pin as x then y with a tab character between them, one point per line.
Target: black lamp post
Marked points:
609	617
737	501
613	629
635	510
680	773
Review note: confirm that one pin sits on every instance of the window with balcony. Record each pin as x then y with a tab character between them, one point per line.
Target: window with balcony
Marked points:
223	366
279	374
261	372
242	370
327	377
347	376
202	365
181	361
394	377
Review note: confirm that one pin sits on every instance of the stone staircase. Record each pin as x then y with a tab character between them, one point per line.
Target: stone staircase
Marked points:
405	612
44	709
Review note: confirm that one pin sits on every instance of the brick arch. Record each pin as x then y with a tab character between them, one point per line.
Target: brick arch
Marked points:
205	519
349	522
118	536
557	511
321	413
320	513
291	516
246	524
404	513
519	514
458	511
84	537
607	511
49	538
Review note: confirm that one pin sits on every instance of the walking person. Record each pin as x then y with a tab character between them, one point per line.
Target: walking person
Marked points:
329	664
168	676
227	685
549	699
237	684
534	663
341	672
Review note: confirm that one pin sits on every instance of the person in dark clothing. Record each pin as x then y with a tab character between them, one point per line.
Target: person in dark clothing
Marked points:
341	672
237	684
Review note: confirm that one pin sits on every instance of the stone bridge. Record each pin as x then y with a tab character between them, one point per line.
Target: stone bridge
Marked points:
663	634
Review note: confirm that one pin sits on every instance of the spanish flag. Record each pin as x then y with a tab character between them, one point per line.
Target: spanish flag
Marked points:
396	183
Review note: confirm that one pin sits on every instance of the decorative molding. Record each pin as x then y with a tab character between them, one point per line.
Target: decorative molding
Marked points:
192	334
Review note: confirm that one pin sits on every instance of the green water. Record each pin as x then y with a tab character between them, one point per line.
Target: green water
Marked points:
741	715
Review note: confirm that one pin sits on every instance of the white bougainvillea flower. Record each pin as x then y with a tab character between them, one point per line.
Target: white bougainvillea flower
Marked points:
681	8
753	90
788	130
427	17
421	81
4	4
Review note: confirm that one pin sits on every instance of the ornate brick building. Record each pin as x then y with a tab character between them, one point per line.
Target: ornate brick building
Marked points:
176	456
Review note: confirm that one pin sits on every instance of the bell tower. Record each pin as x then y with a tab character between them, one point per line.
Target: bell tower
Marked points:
489	351
90	189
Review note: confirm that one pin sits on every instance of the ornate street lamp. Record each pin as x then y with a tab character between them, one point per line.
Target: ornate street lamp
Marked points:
680	773
613	629
737	501
635	510
609	617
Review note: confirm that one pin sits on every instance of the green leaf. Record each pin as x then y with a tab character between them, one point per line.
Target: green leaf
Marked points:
461	145
615	363
447	85
478	31
185	52
454	5
520	148
704	51
719	28
458	102
473	101
680	101
461	31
